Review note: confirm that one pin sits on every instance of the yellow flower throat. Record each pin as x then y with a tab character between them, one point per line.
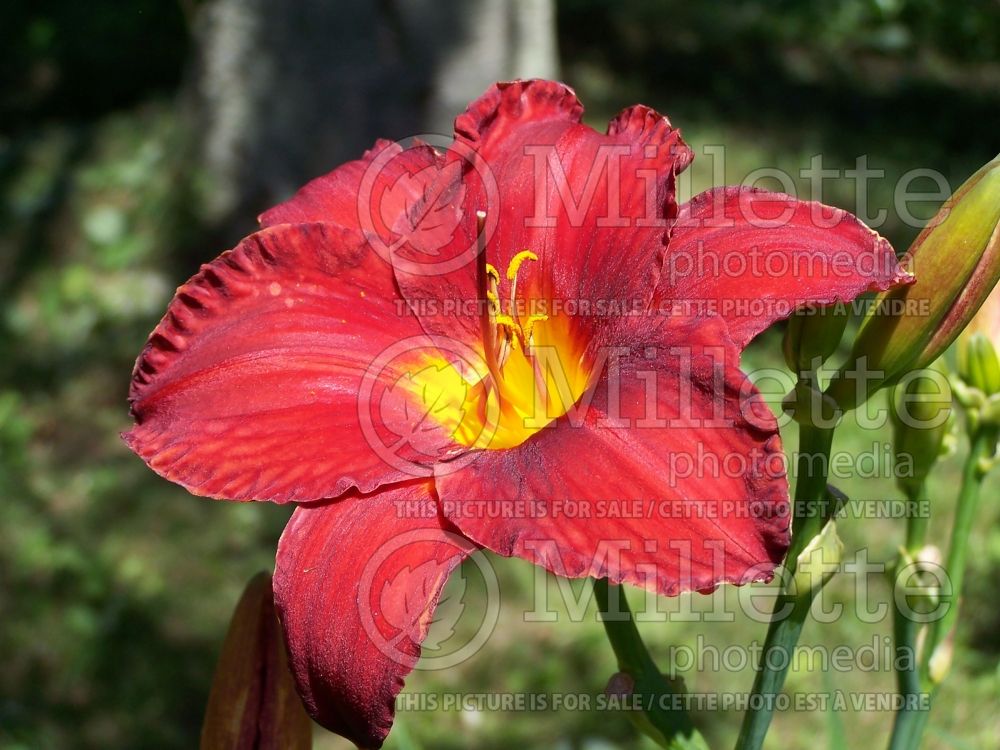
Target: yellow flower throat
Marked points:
535	368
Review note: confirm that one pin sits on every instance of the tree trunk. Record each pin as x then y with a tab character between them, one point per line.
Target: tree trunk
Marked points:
285	91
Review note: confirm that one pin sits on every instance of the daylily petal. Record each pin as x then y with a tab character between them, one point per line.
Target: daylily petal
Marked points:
356	582
366	195
408	201
595	208
436	265
674	468
249	387
754	257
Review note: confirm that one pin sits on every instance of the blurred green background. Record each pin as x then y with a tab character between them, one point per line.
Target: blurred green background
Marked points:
135	143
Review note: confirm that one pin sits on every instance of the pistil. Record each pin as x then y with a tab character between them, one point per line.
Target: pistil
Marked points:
487	320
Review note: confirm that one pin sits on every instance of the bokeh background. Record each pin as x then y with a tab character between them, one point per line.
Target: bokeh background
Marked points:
140	139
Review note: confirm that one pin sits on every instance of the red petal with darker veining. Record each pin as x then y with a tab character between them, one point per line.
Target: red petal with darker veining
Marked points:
366	195
754	257
690	487
249	388
356	583
595	208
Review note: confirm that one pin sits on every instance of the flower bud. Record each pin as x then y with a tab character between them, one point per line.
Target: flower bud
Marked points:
253	702
916	581
978	363
927	563
818	561
956	261
940	661
812	335
922	421
929	557
989	414
621	685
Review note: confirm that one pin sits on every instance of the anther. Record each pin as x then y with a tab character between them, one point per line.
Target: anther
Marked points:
515	263
529	325
493	273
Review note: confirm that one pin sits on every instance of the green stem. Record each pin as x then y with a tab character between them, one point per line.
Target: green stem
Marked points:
671	728
910	719
791	608
909	726
633	656
918	683
912	727
916	523
983	445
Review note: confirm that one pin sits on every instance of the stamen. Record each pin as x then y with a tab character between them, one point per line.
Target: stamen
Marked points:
512	330
529	325
515	390
512	268
503	320
486	321
494	302
505	350
504	331
515	263
493	273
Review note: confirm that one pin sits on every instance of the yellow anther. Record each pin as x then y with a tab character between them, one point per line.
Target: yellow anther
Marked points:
493	273
503	320
512	329
529	325
494	301
515	263
509	331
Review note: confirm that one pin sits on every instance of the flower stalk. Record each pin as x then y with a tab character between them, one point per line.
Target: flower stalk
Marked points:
910	718
669	729
922	432
817	416
982	450
792	605
935	652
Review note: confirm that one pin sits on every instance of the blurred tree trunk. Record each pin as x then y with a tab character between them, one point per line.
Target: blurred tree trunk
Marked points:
285	91
502	39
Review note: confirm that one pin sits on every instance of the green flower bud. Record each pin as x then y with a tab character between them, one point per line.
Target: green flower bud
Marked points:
922	421
929	557
940	661
817	563
956	262
978	364
812	335
989	414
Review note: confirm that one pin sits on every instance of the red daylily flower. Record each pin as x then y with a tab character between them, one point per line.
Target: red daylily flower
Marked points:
435	351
